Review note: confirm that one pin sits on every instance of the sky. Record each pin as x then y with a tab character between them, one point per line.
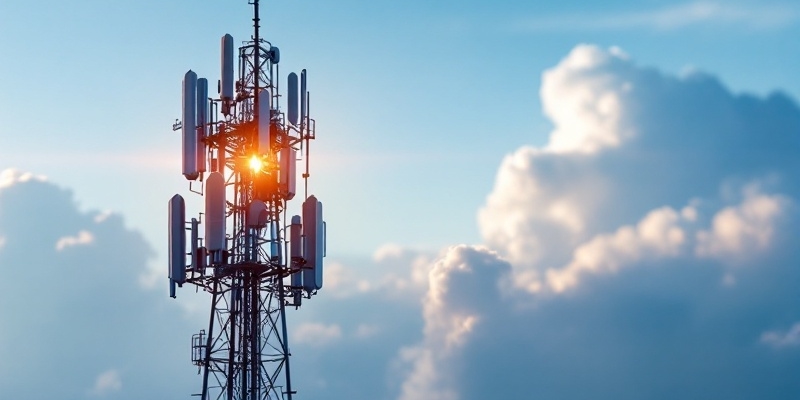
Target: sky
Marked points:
530	199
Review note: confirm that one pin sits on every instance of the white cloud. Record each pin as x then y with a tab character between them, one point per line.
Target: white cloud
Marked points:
452	309
82	238
782	339
406	269
9	177
557	189
660	209
586	107
396	271
738	233
106	383
102	216
629	141
699	13
728	280
601	228
317	334
388	251
425	380
343	281
659	234
76	287
364	331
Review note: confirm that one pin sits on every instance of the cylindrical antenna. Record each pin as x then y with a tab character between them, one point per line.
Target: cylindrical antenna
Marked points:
291	98
226	79
310	235
319	252
188	124
256	57
296	257
288	172
202	122
215	213
177	240
263	122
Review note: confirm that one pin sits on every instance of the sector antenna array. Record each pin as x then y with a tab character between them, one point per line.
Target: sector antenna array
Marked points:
240	152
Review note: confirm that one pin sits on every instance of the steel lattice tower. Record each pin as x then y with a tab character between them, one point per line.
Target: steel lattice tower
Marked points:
240	152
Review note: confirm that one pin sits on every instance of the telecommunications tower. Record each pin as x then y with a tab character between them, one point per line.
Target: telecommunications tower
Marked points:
240	153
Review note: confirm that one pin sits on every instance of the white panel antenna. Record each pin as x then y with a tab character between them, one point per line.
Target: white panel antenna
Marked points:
221	156
257	215
264	111
296	253
296	248
274	251
288	172
215	213
312	244
189	133
202	122
177	242
291	98
320	250
227	68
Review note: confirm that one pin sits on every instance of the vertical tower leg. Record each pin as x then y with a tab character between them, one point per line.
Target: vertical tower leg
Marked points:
207	355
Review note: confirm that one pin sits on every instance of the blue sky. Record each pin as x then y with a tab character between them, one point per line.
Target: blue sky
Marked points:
436	124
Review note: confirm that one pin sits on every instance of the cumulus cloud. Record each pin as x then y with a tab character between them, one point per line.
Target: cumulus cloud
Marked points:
780	339
396	271
107	382
659	234
317	334
364	331
628	141
649	241
462	291
82	238
628	336
11	176
638	254
737	233
343	281
76	307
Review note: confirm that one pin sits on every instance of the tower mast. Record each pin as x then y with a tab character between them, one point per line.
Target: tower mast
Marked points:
240	153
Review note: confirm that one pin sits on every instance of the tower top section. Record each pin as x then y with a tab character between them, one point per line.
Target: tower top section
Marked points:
241	146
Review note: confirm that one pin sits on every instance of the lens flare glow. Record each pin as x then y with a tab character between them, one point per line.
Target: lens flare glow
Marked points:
255	163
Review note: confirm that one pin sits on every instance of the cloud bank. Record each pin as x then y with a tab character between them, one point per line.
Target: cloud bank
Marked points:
642	162
75	319
648	250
